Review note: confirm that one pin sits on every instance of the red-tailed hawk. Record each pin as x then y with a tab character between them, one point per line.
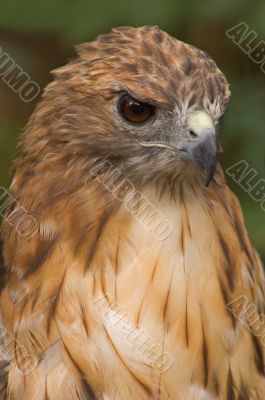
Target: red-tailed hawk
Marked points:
135	281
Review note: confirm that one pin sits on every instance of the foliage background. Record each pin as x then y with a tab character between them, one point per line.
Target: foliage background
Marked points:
40	36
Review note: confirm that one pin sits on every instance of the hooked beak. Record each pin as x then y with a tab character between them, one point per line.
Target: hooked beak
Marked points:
201	148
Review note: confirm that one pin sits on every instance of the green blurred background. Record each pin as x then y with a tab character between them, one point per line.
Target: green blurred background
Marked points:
39	36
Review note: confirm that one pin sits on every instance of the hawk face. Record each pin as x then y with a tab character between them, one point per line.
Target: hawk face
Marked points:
143	100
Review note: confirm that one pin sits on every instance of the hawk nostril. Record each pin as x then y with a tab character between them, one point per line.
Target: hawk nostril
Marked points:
193	135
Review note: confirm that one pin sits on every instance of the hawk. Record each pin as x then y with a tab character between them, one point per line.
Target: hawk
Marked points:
136	279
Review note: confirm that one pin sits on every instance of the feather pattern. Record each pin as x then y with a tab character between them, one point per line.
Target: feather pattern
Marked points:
104	308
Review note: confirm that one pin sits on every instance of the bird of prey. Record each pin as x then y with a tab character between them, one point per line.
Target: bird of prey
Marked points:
136	280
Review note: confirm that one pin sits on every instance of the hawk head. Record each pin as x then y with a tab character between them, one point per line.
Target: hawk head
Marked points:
147	102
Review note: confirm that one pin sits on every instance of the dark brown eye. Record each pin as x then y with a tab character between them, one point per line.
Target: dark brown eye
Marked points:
135	111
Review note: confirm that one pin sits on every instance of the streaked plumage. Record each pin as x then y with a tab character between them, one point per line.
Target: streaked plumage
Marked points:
89	244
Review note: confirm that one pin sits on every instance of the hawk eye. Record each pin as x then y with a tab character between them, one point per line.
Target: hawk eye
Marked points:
134	110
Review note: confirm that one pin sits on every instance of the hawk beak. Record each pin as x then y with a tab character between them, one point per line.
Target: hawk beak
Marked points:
201	148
